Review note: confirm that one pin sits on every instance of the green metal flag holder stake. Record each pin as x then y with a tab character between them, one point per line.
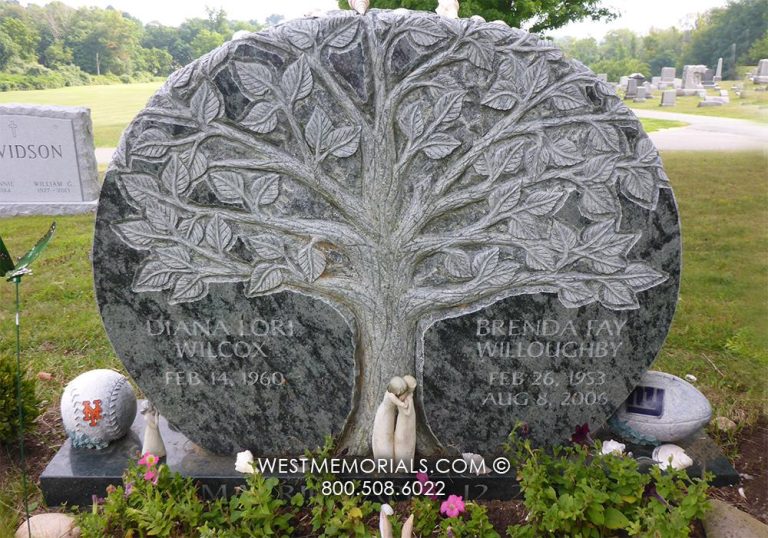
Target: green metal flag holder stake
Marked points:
13	272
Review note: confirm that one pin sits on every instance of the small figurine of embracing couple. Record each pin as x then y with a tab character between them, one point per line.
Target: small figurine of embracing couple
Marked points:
394	427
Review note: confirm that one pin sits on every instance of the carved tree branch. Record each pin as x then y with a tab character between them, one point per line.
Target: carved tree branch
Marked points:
313	178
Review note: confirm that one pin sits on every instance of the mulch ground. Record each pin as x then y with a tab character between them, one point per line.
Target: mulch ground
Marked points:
750	447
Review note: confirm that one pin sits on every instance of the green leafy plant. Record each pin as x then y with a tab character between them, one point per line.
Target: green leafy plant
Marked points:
153	501
572	492
336	515
473	522
426	513
258	513
9	417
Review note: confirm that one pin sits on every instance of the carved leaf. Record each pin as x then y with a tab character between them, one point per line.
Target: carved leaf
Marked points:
411	121
439	145
503	274
189	288
535	78
458	264
492	32
254	78
181	77
301	34
262	118
137	233
343	142
563	152
191	230
484	263
505	197
174	257
345	36
228	186
540	257
311	261
175	176
297	80
600	169
575	294
318	128
509	70
598	202
646	153
639	185
266	189
196	162
607	265
569	97
214	59
205	103
617	296
605	138
153	275
139	187
562	237
480	53
527	226
150	143
545	202
536	159
266	247
500	160
502	96
426	33
161	217
640	276
219	234
448	107
264	278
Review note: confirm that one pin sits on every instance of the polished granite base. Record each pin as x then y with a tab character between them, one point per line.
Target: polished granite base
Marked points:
74	475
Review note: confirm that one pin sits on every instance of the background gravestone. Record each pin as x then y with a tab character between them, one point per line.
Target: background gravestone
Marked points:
373	180
47	161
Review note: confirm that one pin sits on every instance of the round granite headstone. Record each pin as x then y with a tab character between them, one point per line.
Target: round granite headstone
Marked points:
306	212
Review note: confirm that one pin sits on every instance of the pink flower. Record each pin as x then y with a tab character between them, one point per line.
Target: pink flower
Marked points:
453	506
128	489
151	476
149	460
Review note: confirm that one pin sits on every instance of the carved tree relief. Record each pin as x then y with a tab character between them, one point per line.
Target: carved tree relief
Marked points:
405	167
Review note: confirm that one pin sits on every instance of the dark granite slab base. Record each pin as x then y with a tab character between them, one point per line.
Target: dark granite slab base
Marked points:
74	475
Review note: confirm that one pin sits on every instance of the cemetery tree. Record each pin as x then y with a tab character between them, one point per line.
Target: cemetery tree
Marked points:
401	193
533	15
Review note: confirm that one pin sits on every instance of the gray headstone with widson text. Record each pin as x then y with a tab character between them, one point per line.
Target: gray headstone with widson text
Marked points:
47	161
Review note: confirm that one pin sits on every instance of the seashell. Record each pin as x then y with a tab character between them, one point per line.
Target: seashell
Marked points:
361	6
613	447
670	455
385	527
475	462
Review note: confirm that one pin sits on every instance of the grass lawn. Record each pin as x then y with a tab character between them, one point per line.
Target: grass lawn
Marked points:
720	331
754	106
650	125
112	106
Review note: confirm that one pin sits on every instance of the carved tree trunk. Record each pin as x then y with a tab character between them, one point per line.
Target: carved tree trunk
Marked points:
385	347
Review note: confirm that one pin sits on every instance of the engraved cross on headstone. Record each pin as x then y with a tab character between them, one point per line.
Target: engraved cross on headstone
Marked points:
12	125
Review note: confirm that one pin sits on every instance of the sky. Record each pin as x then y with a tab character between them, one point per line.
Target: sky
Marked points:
637	15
